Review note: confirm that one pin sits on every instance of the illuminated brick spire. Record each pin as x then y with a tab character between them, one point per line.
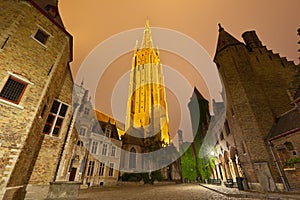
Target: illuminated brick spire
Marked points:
147	106
147	39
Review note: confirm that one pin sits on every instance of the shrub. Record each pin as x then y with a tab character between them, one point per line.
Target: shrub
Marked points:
292	161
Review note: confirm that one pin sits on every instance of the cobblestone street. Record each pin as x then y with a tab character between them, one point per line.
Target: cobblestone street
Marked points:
149	192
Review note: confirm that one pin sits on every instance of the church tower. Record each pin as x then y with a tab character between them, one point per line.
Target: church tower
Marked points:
147	108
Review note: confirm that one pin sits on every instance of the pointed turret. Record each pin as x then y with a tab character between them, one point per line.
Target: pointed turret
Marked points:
225	39
147	39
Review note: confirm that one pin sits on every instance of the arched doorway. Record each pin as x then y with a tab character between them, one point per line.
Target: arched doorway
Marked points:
222	167
228	166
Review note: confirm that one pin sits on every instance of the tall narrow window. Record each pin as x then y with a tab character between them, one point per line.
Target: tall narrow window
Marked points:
91	168
132	158
111	169
94	147
82	131
41	36
13	90
221	136
227	129
108	130
81	166
104	149
101	168
55	118
113	151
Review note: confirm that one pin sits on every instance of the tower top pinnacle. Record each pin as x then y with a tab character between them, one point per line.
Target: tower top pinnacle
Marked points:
147	39
225	39
220	27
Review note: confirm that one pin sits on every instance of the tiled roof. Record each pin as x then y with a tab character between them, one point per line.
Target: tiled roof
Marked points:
287	123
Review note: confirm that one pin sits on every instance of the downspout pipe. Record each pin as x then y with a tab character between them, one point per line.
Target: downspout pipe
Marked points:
285	184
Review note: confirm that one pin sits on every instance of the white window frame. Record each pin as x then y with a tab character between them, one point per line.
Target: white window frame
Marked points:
113	151
101	169
104	149
111	169
56	117
44	30
80	131
94	147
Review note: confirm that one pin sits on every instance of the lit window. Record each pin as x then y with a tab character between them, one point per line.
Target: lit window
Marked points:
41	36
101	169
94	147
104	149
82	131
111	169
13	90
55	118
113	151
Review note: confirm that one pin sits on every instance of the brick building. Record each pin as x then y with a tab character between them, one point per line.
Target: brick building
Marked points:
35	95
259	85
284	142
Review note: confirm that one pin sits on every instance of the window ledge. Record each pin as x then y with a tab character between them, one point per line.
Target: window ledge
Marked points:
52	136
289	169
20	78
2	101
32	37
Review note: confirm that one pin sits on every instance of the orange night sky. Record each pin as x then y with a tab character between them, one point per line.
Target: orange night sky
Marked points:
93	21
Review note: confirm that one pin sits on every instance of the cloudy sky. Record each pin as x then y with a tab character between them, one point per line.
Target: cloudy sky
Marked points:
91	22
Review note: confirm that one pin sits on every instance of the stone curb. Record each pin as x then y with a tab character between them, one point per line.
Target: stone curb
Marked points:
256	195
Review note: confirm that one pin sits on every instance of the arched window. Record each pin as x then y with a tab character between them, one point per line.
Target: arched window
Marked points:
132	158
289	146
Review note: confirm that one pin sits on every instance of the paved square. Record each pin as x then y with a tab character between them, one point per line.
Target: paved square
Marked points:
155	192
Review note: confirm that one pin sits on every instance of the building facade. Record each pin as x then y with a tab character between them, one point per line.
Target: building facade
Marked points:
284	143
35	96
96	158
259	85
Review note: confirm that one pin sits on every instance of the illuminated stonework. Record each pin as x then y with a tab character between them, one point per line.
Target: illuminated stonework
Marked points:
147	107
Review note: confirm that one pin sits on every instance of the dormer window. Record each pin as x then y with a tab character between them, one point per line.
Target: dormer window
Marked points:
52	10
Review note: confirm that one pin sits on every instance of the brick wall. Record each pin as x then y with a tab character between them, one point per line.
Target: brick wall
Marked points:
256	84
46	67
